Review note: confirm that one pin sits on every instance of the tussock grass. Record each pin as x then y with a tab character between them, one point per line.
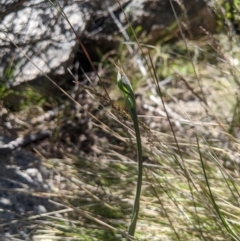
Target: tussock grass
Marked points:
189	125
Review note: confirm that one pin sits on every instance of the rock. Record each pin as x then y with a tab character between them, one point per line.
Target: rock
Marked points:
42	33
156	18
22	191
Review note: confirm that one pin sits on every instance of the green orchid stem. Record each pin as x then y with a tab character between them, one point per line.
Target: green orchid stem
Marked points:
125	86
136	204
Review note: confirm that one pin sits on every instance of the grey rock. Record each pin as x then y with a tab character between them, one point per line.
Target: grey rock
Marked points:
41	32
21	175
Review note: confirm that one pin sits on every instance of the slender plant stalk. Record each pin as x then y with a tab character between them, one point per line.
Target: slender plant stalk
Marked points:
125	86
215	205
